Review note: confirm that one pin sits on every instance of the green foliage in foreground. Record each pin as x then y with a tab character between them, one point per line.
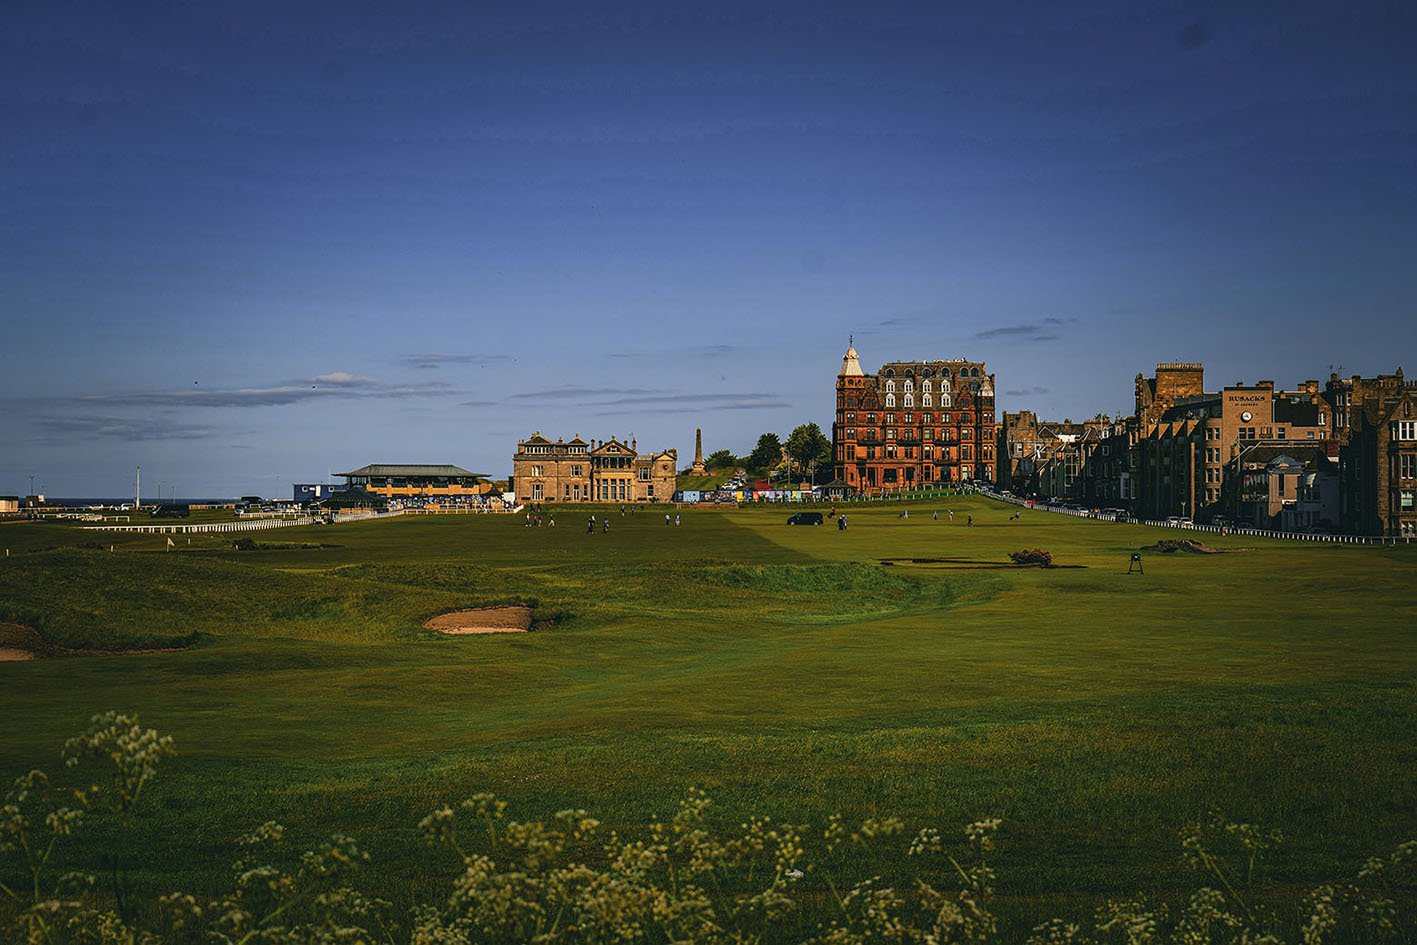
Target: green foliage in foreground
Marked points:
684	881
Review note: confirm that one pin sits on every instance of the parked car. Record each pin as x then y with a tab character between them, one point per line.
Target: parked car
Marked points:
805	518
170	511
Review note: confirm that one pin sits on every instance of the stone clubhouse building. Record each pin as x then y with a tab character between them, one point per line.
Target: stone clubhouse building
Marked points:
578	470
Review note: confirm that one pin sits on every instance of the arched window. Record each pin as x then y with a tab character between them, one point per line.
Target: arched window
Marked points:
909	400
944	392
909	385
890	400
925	399
890	386
925	386
890	372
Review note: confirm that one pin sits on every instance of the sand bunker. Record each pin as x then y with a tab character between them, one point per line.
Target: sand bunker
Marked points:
483	620
18	642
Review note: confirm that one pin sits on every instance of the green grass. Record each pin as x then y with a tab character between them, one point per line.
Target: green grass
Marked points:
787	671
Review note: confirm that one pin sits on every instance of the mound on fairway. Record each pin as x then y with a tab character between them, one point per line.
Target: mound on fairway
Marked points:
515	619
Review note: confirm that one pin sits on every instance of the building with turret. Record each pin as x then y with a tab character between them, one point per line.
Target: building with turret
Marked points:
913	424
578	470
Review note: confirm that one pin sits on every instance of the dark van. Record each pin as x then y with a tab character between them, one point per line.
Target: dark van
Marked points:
806	518
170	511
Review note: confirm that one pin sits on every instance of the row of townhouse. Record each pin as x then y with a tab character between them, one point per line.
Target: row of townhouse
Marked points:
1338	457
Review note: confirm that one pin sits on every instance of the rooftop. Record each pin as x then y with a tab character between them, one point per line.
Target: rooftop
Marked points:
412	471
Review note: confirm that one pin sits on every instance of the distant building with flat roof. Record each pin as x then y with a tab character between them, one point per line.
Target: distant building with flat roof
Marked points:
316	491
393	479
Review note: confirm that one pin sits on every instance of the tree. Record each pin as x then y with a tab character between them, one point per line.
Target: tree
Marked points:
721	459
806	447
768	452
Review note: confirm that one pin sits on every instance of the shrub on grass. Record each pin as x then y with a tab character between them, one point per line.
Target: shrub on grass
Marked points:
684	881
1032	556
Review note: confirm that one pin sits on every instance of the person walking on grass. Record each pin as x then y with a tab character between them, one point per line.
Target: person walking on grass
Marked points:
935	515
970	523
605	525
590	525
952	514
676	519
666	518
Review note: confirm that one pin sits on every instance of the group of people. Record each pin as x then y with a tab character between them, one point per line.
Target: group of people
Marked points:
605	522
533	520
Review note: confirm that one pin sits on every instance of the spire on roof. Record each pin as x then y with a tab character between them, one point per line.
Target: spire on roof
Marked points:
850	364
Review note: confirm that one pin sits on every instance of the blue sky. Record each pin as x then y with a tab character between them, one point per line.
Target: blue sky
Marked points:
247	244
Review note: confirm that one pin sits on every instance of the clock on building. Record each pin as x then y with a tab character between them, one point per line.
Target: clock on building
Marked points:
1247	416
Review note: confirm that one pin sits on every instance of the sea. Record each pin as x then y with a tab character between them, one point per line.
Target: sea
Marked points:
147	500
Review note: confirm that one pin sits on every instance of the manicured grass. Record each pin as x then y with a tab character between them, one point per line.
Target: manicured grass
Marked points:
785	670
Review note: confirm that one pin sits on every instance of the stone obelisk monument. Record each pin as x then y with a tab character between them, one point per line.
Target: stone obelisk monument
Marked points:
698	468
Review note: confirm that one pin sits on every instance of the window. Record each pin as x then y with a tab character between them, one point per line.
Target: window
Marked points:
536	494
890	400
890	418
909	400
925	399
907	416
908	386
924	387
1408	497
575	470
1279	433
890	387
1405	430
537	471
1408	466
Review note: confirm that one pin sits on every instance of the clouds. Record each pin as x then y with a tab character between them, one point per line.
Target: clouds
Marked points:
685	351
333	386
432	362
172	413
698	403
343	379
78	429
1027	392
624	401
1044	330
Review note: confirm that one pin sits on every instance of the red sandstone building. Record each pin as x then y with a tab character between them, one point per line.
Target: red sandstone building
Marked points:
913	424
